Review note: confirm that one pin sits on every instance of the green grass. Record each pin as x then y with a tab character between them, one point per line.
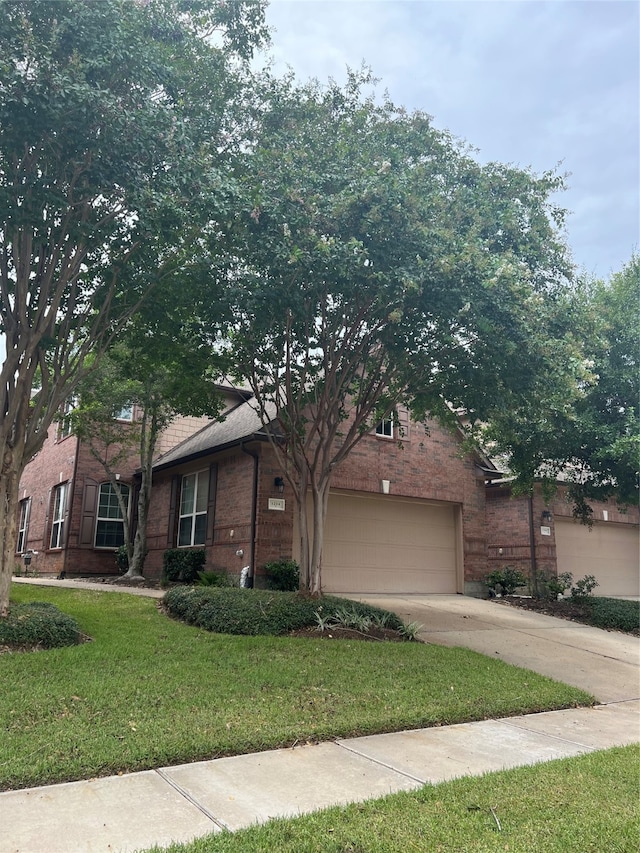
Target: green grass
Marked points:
576	805
150	691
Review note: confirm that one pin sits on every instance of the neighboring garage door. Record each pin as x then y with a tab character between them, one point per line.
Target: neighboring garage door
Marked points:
607	551
385	544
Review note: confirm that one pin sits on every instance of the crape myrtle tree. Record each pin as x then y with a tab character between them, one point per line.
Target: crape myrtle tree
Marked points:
116	120
593	444
161	367
381	264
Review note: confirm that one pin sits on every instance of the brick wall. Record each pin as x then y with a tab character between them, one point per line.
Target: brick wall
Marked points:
59	461
426	463
53	465
89	560
508	526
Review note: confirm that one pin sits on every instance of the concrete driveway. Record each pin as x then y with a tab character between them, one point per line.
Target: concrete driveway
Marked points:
605	663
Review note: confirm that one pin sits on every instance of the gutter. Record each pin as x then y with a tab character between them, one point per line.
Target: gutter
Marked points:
72	492
532	548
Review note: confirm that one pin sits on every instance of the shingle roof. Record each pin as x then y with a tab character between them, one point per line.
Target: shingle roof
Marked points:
240	424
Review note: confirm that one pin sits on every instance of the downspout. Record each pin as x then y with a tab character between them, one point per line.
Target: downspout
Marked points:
254	511
65	553
532	548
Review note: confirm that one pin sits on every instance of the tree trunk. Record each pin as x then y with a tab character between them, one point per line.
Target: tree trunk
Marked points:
136	563
152	420
9	482
303	527
320	498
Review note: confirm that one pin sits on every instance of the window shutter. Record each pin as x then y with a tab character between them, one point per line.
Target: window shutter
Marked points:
173	505
211	503
67	513
89	510
46	536
403	423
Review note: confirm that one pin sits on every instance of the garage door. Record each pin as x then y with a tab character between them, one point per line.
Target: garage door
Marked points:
385	544
607	551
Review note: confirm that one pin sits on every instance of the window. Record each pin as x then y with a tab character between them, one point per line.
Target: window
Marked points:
65	427
385	427
192	525
59	508
23	524
109	523
125	413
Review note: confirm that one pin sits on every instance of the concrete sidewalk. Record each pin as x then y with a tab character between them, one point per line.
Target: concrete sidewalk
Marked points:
132	812
121	814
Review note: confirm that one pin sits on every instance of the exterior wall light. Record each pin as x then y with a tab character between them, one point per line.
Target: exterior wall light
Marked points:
546	516
279	484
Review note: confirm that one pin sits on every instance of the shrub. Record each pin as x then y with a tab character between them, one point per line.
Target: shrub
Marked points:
616	614
584	587
38	625
505	581
550	586
122	559
182	564
257	611
283	575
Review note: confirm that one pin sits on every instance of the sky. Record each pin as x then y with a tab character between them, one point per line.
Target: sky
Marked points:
548	84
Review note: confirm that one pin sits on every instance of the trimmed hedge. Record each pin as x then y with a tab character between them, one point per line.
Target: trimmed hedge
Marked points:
38	625
617	614
256	611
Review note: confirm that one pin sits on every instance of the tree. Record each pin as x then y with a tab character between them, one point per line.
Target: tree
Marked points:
163	366
116	126
593	443
380	264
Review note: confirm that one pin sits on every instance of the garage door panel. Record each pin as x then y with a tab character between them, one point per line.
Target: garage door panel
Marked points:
385	544
608	551
384	557
396	535
387	582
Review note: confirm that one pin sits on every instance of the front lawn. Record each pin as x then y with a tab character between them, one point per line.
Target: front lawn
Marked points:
587	804
149	691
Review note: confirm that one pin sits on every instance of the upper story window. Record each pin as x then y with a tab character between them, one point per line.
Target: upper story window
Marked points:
192	524
385	427
65	426
60	496
109	523
23	525
125	413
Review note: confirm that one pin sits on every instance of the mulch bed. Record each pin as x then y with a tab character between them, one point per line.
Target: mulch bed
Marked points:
374	634
565	609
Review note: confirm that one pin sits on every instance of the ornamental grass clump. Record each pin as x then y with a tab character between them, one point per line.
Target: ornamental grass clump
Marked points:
38	625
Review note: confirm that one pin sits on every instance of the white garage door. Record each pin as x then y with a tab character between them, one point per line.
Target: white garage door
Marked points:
608	551
385	544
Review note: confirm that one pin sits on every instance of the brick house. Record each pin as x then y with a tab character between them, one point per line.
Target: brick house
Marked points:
408	511
68	518
529	534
